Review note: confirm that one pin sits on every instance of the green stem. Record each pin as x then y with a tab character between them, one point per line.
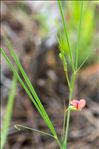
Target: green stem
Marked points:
64	121
66	34
79	32
68	114
64	125
67	124
59	143
67	78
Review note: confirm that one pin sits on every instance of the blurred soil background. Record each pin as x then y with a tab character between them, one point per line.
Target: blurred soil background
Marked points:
32	27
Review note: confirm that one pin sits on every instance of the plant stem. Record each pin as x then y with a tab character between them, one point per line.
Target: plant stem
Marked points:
67	78
59	143
67	124
68	114
66	34
79	32
64	121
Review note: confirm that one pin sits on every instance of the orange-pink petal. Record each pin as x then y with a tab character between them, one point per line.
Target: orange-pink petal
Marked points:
82	103
78	104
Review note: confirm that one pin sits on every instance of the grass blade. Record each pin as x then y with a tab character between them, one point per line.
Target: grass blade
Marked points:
46	120
8	113
84	61
27	91
20	127
31	88
79	32
66	34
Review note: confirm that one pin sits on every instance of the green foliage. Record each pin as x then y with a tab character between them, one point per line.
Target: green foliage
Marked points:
65	38
26	84
69	55
8	112
72	17
73	53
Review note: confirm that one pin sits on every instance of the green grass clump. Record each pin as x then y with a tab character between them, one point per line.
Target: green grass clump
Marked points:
70	56
26	84
65	52
8	112
86	44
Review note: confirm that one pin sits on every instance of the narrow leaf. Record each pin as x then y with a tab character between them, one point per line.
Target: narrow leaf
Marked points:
28	92
31	88
8	113
20	127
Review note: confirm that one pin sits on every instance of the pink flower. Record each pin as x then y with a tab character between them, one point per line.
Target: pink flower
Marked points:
77	105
